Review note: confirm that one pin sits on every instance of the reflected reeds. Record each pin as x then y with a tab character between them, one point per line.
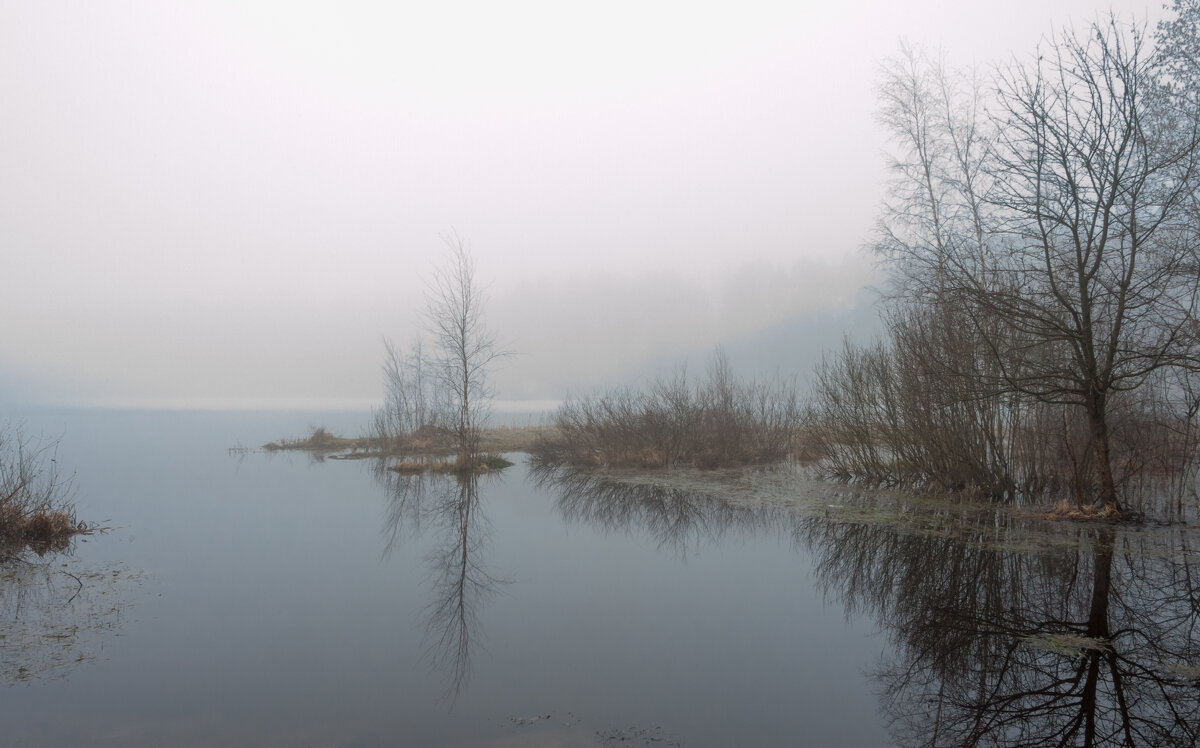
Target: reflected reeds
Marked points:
678	519
53	619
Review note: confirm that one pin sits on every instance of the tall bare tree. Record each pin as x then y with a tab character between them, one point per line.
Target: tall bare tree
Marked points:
466	349
936	213
1093	175
1054	242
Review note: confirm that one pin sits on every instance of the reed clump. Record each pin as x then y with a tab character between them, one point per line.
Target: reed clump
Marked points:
35	511
483	463
718	421
319	439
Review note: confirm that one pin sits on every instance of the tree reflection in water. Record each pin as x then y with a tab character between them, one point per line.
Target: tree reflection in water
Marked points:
1090	643
1090	639
449	507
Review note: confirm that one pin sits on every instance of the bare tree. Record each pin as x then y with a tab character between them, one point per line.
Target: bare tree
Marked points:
914	221
413	406
466	348
1054	245
1093	177
936	214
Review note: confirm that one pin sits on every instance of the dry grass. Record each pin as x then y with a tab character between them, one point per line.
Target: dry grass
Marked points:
1066	510
34	507
42	530
515	438
319	439
484	463
497	440
716	421
50	530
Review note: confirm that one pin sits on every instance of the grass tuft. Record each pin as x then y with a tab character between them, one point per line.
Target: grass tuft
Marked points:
34	507
485	463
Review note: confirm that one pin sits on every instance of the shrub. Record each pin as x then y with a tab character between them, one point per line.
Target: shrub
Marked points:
34	506
716	422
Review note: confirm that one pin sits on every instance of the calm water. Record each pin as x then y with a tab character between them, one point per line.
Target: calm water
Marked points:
270	599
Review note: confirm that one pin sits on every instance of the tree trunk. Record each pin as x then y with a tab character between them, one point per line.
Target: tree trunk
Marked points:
1097	629
1106	491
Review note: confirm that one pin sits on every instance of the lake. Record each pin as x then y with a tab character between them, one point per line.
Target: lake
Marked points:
246	598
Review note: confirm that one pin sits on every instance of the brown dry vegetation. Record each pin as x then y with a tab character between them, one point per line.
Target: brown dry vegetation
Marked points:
482	464
719	421
1066	510
428	442
1041	339
410	467
900	413
34	511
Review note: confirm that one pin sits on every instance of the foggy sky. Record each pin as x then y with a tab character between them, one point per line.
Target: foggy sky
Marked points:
231	203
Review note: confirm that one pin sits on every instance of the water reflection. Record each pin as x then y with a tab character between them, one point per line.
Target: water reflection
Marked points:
55	616
1002	632
447	506
678	519
1092	643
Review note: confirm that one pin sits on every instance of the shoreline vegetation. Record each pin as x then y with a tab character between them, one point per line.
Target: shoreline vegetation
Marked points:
1040	343
35	507
429	451
717	422
436	395
1040	337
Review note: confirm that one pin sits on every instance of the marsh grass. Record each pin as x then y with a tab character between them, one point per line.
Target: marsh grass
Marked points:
484	463
410	467
430	442
319	439
1069	510
719	421
35	511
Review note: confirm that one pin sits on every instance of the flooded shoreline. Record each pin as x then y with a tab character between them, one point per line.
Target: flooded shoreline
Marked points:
699	607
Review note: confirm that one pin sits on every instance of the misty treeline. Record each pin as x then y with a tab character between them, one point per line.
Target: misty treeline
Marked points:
715	421
1042	233
436	394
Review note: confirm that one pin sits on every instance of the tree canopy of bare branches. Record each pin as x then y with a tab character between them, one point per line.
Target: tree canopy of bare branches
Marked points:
436	392
1044	239
466	348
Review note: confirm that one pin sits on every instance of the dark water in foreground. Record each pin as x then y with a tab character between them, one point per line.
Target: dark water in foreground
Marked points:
268	599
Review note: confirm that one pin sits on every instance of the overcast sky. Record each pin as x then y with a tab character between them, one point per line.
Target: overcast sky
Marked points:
231	203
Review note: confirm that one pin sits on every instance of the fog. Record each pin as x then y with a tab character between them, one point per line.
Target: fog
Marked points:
231	204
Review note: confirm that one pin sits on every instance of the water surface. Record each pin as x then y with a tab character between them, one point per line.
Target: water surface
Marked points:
273	599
